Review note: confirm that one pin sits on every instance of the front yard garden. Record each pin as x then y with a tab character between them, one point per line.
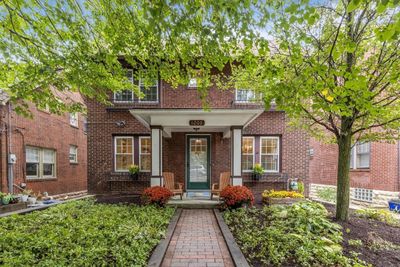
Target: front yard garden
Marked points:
83	233
306	234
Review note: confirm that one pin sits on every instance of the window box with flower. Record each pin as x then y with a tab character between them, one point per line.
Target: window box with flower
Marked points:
134	172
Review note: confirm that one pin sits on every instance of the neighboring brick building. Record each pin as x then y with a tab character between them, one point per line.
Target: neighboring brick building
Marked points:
168	131
50	150
374	173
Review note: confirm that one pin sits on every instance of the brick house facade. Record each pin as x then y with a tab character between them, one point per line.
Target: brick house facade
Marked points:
374	182
180	134
42	146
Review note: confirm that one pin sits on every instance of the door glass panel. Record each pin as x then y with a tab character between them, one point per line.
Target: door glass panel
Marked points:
198	160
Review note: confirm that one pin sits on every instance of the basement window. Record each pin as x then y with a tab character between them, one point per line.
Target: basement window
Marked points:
363	194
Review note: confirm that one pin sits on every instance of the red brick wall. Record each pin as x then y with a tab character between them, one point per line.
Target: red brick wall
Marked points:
102	127
382	174
51	131
294	148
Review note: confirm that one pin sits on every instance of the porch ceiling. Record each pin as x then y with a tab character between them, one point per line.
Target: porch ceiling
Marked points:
177	120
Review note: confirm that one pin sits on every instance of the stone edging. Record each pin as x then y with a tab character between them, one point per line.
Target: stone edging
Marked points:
237	256
159	252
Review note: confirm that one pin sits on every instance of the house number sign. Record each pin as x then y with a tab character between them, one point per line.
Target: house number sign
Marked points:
196	122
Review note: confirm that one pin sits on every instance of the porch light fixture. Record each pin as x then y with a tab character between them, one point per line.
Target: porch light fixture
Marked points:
120	123
196	129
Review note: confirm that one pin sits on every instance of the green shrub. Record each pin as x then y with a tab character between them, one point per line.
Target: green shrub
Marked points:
327	194
378	215
83	233
300	234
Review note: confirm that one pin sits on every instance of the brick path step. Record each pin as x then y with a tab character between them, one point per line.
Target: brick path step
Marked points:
197	241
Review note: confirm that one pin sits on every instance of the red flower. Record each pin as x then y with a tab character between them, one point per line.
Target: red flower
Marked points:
157	195
236	196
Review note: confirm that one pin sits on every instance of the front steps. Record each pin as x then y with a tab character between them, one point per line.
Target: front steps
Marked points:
195	200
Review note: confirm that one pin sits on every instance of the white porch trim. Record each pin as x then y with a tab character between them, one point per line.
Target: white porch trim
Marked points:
156	157
236	158
177	120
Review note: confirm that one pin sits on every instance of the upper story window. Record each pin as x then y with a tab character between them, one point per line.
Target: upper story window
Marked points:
73	119
269	153
73	154
246	95
192	83
125	95
123	153
247	154
40	163
360	156
148	86
85	124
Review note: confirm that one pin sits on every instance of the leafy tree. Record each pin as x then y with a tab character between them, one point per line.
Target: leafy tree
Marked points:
50	46
336	67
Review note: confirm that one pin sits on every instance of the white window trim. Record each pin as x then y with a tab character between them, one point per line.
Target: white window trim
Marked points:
115	151
146	101
245	101
278	153
77	120
254	152
40	175
76	154
353	155
140	152
132	95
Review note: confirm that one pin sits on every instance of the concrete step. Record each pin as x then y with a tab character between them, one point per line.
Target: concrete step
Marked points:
194	203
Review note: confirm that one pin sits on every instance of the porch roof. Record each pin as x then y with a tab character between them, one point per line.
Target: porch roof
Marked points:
177	120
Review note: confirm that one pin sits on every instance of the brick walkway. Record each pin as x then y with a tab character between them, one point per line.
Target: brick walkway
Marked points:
197	241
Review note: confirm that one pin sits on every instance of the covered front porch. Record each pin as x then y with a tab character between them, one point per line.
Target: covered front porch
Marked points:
196	146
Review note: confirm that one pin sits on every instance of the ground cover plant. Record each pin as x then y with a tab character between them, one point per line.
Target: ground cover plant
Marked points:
297	235
83	233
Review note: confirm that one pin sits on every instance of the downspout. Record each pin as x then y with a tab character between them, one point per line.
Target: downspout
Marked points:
10	165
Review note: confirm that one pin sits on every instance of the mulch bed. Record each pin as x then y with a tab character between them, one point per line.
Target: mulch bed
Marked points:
367	231
370	231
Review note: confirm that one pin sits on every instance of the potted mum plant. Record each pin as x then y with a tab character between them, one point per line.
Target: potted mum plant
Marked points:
258	171
134	172
237	197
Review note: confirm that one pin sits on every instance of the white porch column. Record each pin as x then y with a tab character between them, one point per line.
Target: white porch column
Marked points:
236	157
156	156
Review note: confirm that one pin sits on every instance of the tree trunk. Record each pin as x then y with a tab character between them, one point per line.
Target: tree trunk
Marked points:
343	178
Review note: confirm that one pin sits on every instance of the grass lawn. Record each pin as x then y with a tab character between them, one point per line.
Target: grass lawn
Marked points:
297	235
83	233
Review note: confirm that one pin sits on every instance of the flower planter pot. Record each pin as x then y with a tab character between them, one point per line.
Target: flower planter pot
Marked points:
24	198
5	201
134	176
31	200
281	201
394	205
257	177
